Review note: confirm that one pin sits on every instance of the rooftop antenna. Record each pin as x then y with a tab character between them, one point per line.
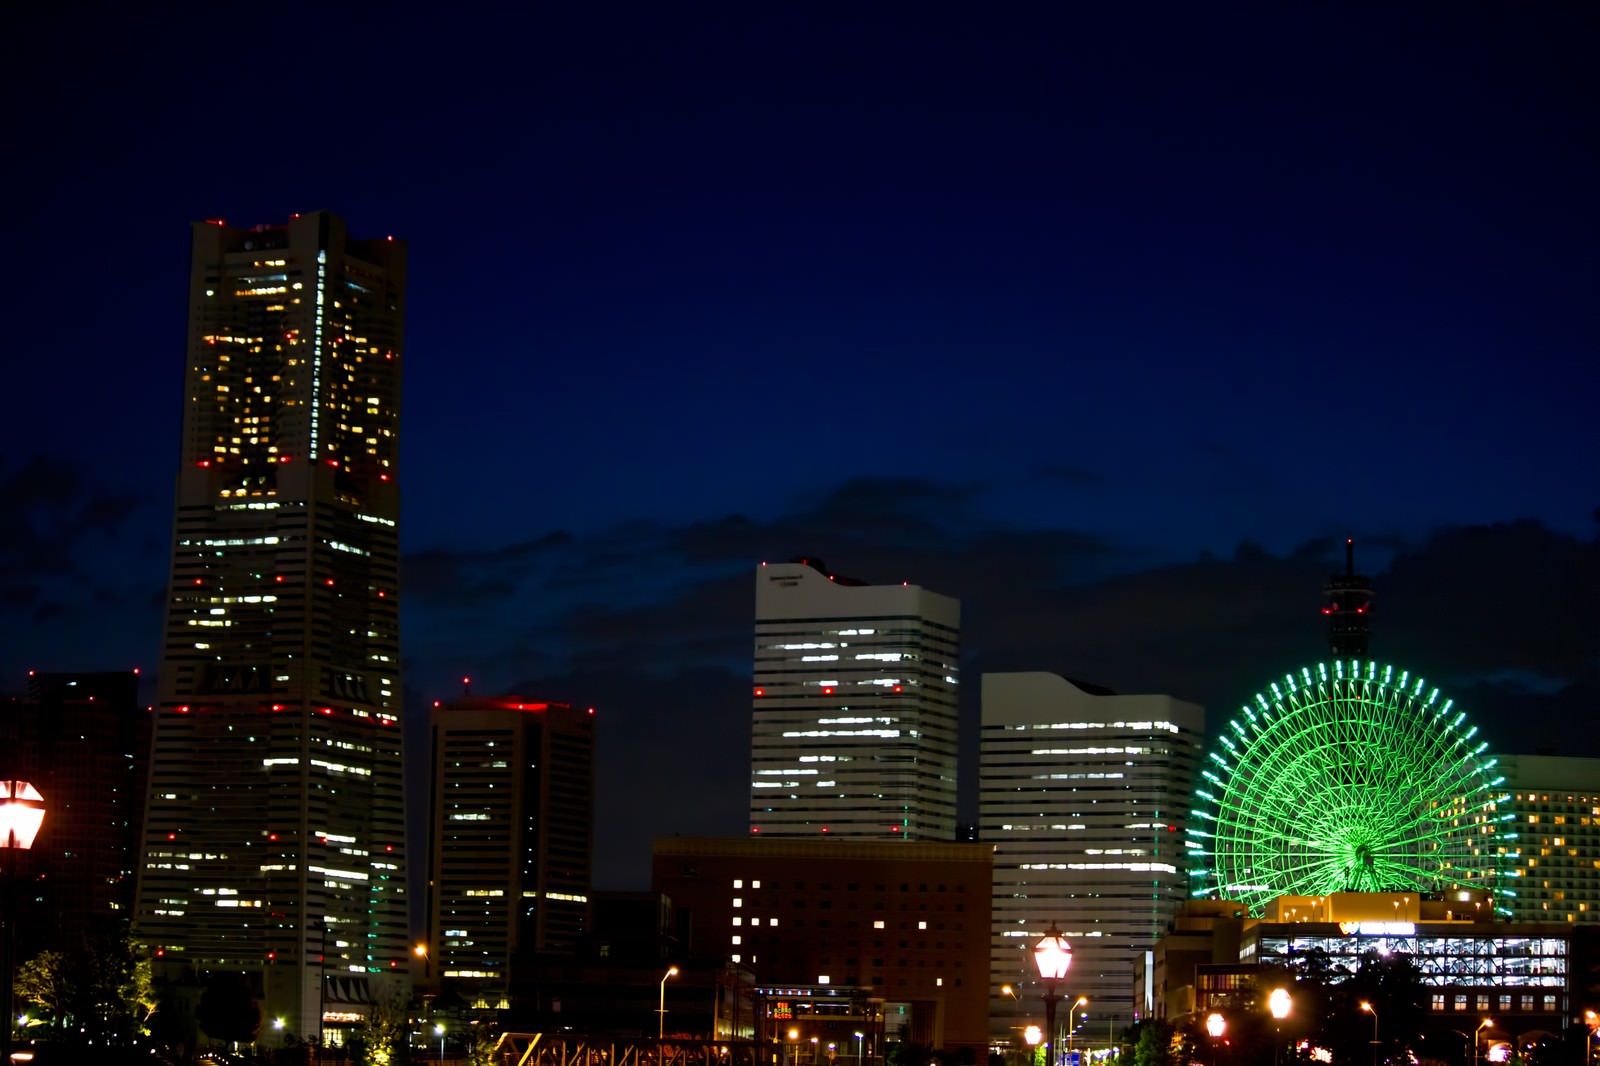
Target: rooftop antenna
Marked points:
1348	607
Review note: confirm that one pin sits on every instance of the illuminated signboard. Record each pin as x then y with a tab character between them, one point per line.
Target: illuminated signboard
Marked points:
781	1009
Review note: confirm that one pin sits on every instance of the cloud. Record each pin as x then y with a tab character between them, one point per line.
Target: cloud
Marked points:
652	623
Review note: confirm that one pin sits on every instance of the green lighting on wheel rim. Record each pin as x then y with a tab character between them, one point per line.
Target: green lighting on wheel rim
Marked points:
1349	776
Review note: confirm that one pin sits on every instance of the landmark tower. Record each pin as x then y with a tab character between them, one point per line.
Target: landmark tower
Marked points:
274	840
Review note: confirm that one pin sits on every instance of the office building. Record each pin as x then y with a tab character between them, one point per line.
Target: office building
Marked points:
512	817
1085	796
854	721
274	841
1553	864
891	935
83	741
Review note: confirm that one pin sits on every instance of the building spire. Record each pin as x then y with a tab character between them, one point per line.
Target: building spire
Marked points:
1348	608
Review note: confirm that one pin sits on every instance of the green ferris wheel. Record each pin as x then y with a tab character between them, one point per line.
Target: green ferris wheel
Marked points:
1349	776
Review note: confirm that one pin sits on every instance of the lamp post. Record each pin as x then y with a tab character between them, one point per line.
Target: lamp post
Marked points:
1031	1036
1216	1025
1278	1003
860	1036
21	815
438	1031
1016	1007
1593	1021
661	1009
794	1047
1368	1008
1080	1002
1486	1023
1053	956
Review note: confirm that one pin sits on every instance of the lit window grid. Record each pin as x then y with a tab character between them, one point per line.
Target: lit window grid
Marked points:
820	729
1088	818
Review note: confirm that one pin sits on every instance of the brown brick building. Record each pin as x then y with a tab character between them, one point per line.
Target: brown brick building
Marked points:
905	923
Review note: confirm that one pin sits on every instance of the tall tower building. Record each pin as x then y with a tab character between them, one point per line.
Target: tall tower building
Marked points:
511	819
1348	609
1086	797
275	833
83	741
854	707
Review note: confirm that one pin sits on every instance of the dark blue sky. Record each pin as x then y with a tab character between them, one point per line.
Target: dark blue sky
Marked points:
1109	322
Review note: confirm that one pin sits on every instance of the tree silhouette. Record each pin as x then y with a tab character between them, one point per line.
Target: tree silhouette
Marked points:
228	1011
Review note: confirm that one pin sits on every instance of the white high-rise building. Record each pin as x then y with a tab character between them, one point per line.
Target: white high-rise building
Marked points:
1085	796
854	722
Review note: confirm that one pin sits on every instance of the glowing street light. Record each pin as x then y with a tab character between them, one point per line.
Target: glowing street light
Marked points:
661	1010
1486	1023
860	1036
1216	1025
438	1031
21	815
1279	1004
1368	1008
1052	955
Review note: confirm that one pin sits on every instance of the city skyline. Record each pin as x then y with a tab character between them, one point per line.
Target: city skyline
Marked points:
1112	331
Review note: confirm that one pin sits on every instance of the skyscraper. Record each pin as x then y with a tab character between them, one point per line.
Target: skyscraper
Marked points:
854	707
511	819
275	834
1086	797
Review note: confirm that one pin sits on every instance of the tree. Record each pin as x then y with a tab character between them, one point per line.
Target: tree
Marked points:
1152	1043
173	1024
115	996
46	982
481	1050
227	1010
384	1038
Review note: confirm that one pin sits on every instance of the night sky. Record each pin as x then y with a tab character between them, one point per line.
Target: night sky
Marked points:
1113	324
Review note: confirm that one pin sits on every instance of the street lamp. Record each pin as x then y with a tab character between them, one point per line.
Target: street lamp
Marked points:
860	1036
794	1047
1486	1023
661	1009
1216	1025
1593	1021
21	815
1032	1035
1016	1008
1368	1008
1053	956
438	1031
1278	1003
1081	1002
